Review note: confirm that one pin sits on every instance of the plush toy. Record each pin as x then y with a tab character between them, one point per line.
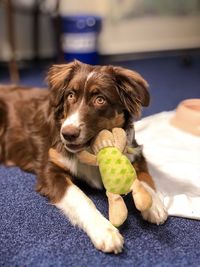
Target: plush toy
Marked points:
116	170
118	174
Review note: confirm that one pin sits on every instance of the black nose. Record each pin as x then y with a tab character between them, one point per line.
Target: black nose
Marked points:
70	133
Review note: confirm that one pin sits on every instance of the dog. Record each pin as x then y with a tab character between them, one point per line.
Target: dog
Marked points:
80	102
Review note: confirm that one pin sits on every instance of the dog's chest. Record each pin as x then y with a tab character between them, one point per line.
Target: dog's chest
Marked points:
87	173
90	174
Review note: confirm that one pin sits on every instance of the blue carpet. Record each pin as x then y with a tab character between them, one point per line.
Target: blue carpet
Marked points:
35	233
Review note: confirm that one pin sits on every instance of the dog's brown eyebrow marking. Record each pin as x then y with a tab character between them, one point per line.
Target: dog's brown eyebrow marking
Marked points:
77	82
94	90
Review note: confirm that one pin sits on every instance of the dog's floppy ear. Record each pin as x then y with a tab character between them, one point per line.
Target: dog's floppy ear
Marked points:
58	78
132	89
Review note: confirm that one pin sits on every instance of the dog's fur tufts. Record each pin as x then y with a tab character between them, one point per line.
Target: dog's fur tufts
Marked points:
81	101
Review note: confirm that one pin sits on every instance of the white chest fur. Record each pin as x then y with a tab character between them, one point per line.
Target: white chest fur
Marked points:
90	174
87	173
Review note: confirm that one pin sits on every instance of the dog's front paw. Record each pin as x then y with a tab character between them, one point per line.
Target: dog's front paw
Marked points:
156	213
107	238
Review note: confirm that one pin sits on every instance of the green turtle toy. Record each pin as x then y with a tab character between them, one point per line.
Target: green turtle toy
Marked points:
118	174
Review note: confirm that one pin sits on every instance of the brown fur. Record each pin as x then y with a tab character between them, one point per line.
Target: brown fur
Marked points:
31	118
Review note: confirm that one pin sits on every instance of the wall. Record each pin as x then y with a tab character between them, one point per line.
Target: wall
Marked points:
151	25
151	34
129	26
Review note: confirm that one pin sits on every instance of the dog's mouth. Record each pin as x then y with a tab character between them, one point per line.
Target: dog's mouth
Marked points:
77	147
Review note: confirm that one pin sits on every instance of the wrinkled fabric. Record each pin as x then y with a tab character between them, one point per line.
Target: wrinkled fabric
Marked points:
174	161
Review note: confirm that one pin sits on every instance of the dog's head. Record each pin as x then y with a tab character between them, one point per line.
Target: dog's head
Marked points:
87	99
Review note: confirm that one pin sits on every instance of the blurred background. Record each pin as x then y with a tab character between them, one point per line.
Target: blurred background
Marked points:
158	38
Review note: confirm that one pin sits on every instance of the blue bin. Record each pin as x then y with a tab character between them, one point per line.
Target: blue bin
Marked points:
80	38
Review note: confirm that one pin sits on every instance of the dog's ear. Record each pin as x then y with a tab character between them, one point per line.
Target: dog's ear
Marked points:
58	78
132	89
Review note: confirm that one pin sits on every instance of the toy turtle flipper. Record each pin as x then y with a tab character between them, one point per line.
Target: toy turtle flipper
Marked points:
141	196
87	158
55	157
117	209
84	157
104	139
120	138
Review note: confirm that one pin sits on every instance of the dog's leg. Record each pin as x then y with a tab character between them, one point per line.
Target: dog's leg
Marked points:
157	212
56	184
81	211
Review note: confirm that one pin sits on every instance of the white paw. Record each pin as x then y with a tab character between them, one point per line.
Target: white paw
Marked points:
107	238
82	212
156	213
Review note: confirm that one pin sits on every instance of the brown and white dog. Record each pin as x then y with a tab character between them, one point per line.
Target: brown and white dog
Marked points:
82	101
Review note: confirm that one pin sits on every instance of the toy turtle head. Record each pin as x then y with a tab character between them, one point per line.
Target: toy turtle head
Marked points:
106	138
102	140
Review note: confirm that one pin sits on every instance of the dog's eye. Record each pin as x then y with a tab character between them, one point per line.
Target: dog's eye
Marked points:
99	101
71	97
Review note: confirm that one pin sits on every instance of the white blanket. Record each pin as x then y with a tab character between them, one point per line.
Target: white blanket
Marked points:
174	161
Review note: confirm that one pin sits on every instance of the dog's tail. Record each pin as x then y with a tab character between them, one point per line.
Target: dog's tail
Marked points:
3	122
3	117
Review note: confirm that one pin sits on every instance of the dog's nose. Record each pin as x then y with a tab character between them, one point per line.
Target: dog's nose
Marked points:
70	133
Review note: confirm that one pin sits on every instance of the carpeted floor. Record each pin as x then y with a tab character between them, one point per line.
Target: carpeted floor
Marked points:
35	233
